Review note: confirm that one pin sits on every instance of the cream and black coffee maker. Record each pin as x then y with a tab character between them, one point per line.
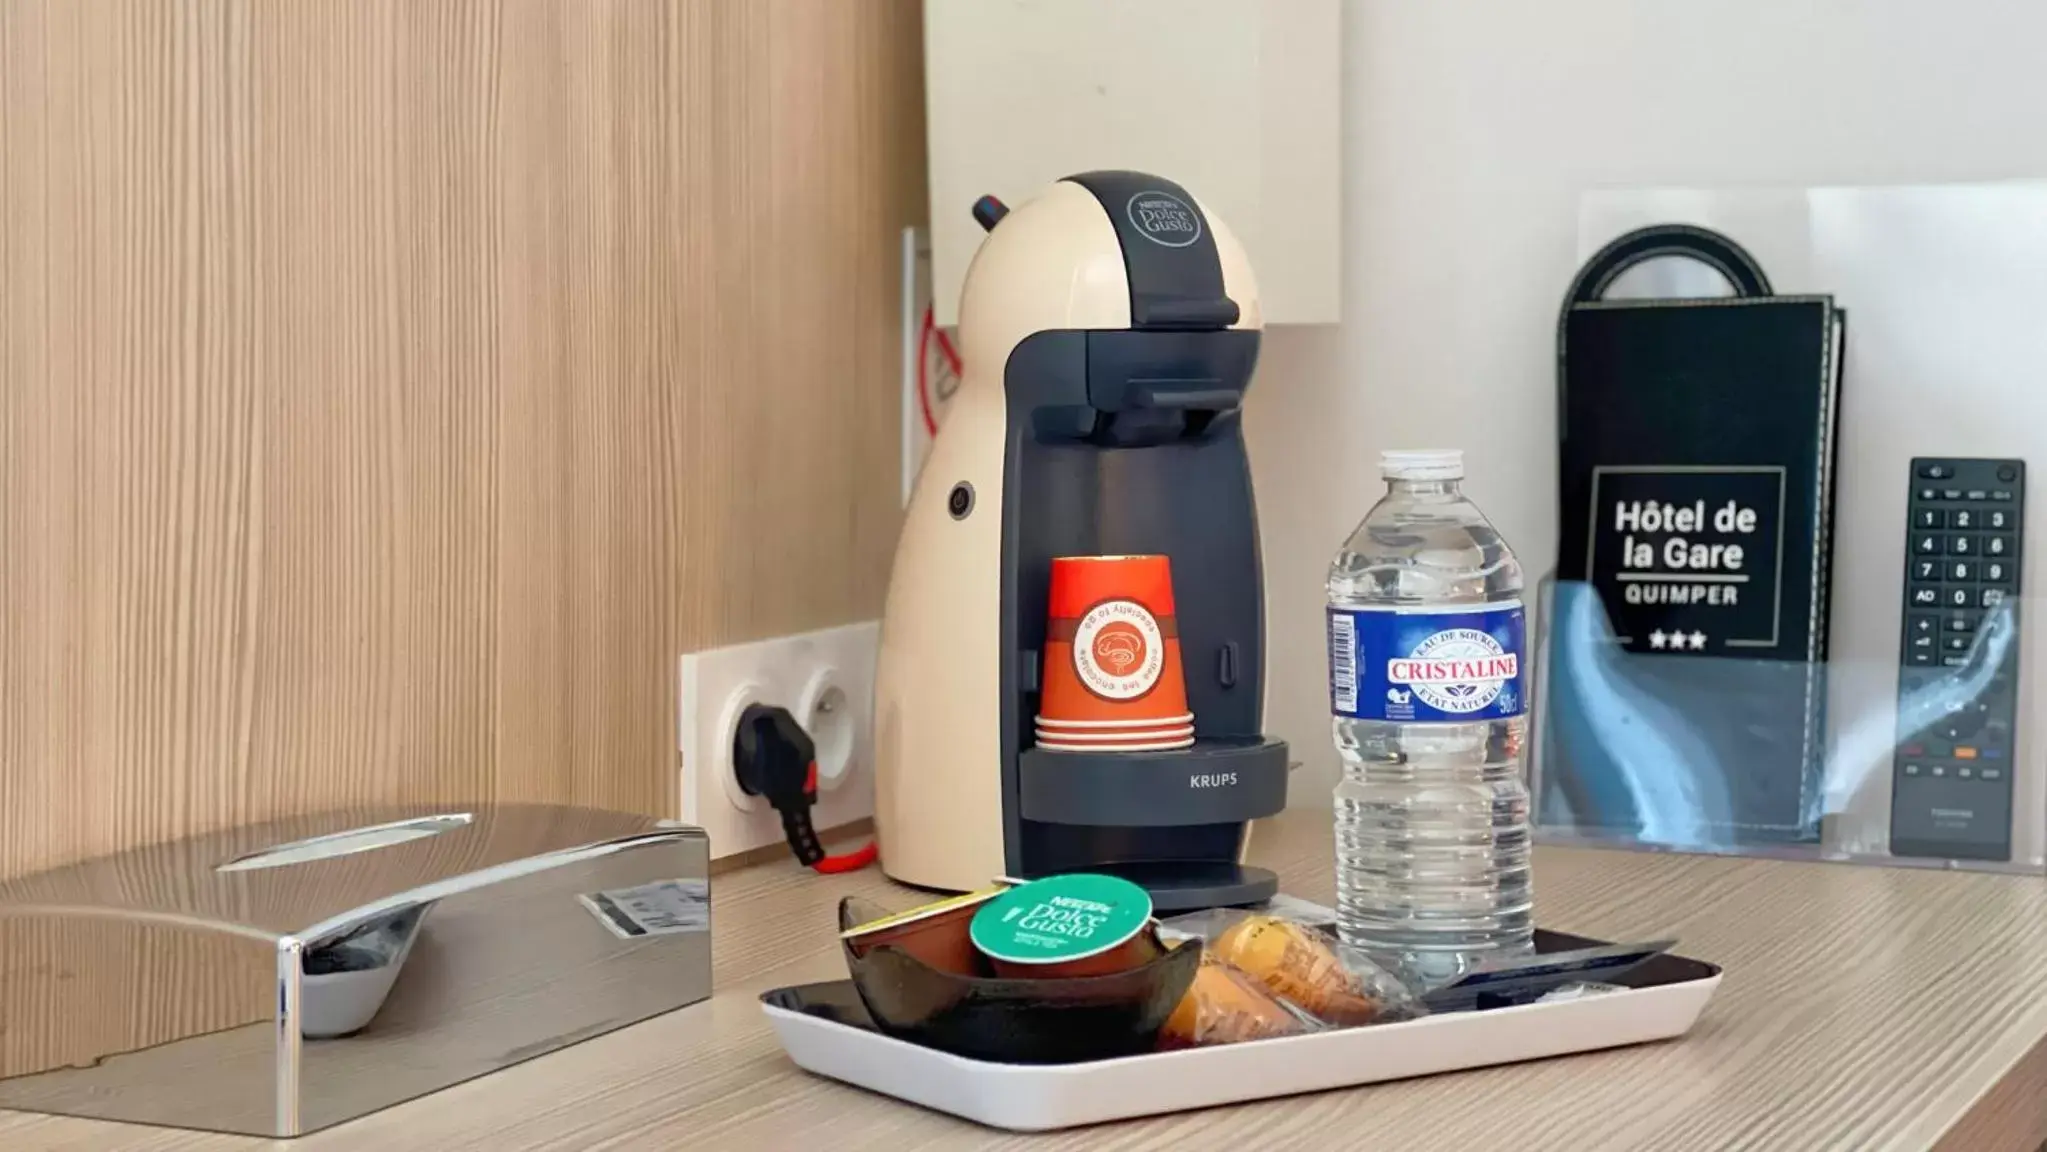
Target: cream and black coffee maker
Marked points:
1109	329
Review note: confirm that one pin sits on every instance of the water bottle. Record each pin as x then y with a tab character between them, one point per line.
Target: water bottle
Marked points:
1428	687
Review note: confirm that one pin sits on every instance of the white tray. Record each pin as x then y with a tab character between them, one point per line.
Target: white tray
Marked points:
1665	997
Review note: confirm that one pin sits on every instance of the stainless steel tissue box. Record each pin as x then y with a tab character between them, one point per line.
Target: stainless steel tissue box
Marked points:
279	978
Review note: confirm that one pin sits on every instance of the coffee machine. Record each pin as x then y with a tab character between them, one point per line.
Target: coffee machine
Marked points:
1108	329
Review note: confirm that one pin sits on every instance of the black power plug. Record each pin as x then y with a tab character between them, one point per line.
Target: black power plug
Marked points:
774	758
772	754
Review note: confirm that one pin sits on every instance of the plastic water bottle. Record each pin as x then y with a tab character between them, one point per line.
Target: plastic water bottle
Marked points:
1428	687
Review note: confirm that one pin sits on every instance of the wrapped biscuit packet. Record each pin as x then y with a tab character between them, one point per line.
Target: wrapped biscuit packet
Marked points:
1226	1006
1301	964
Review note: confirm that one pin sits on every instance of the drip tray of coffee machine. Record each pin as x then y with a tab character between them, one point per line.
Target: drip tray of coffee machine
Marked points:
1214	783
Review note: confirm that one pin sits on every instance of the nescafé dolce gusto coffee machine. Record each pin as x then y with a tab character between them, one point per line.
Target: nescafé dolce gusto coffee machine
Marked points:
1109	329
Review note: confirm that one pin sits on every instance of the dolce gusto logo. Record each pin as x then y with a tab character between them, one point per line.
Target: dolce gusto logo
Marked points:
1163	218
1066	916
1685	558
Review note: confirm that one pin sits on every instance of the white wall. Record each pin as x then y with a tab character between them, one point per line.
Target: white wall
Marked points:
1471	128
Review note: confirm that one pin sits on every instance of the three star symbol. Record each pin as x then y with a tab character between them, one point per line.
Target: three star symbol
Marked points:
1677	641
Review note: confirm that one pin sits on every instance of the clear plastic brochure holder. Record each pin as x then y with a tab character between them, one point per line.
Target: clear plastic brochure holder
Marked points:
1872	687
1913	743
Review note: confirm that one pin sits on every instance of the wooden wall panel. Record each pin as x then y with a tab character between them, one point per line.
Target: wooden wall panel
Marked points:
391	389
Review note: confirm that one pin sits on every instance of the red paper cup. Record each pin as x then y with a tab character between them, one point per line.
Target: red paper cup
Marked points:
1112	649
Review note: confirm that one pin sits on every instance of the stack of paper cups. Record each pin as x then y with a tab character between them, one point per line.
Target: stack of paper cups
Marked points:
1147	739
1113	680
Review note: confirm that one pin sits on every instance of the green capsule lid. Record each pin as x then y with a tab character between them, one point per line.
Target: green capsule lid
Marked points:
1061	918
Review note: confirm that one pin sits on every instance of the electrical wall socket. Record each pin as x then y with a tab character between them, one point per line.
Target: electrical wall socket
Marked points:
826	680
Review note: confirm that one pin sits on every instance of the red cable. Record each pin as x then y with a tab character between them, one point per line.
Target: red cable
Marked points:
930	331
923	374
852	861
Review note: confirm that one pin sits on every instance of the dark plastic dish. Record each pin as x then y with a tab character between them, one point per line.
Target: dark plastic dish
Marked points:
1055	1021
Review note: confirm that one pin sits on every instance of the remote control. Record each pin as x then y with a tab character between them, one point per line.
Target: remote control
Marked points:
1951	784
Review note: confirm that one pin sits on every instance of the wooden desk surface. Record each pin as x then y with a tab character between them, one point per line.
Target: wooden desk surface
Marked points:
1863	1009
